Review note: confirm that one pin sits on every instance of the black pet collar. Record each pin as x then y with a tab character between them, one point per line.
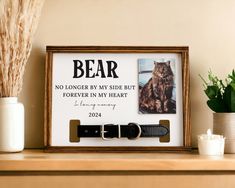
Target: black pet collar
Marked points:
130	131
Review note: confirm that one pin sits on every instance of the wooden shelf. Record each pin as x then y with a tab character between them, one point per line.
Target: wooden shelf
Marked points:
37	160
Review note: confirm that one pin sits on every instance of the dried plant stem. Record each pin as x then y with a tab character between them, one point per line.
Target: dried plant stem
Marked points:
18	22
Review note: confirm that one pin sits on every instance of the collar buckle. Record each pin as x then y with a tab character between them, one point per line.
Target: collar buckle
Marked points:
103	131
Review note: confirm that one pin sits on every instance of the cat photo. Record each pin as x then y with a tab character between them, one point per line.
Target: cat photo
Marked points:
157	86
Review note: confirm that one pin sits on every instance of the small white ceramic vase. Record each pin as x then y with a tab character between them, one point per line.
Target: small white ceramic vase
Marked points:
224	124
11	125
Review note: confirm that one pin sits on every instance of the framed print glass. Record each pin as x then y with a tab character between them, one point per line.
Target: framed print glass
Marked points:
117	98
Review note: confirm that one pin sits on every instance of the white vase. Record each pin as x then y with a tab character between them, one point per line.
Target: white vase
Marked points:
224	124
11	125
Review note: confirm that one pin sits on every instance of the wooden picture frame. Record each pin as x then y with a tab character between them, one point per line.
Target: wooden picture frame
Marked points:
57	61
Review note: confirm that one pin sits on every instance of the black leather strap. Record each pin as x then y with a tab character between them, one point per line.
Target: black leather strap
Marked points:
129	131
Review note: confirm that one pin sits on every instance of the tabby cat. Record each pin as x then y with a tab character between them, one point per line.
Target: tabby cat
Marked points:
156	95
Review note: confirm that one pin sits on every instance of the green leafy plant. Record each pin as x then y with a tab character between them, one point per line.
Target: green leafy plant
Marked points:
221	94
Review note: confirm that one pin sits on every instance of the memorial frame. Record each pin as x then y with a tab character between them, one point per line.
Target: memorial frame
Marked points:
183	51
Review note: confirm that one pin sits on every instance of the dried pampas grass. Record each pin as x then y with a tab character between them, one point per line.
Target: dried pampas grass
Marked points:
18	22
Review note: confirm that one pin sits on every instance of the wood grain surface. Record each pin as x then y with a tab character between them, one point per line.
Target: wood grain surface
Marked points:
37	160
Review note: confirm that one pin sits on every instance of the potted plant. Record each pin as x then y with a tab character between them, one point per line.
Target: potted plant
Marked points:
18	21
221	100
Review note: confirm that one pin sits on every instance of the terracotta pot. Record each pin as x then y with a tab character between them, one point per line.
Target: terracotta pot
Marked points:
224	124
